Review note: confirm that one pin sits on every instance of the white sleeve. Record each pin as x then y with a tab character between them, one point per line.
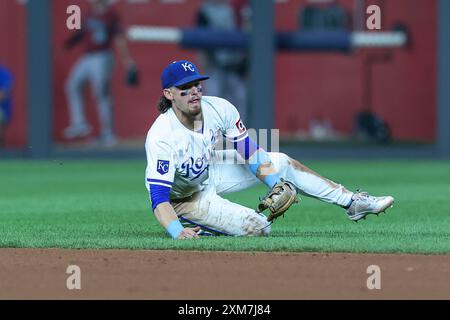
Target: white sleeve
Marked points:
233	128
160	163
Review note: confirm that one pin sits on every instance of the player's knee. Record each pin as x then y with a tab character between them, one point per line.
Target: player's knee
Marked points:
284	158
281	161
102	92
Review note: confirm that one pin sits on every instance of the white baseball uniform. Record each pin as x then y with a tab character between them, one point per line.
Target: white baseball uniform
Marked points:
197	173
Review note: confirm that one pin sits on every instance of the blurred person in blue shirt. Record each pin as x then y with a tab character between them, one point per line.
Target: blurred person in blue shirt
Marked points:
6	81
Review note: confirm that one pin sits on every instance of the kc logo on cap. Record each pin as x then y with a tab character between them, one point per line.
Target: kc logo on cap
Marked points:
179	73
187	66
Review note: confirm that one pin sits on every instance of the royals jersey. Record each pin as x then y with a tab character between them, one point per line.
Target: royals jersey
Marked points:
179	158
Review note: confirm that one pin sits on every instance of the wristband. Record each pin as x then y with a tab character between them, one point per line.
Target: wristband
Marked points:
271	180
175	228
262	157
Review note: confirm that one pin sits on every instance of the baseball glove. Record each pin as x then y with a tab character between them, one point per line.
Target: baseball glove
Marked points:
132	77
278	199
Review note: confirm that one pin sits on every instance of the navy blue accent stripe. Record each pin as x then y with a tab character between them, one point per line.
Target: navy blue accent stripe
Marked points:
204	227
160	181
234	139
246	148
201	172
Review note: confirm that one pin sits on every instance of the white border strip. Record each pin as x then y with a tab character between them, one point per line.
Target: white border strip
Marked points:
154	34
378	39
160	184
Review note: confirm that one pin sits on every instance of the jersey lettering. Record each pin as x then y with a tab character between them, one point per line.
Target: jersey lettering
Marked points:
193	168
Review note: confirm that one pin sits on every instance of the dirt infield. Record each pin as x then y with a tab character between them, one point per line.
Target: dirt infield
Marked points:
124	274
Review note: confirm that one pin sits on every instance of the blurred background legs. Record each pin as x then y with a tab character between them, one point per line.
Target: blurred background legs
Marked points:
329	94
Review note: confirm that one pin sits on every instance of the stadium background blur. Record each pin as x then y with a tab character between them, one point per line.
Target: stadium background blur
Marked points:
307	85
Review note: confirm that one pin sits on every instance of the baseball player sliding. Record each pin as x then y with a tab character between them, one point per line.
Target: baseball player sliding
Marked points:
186	175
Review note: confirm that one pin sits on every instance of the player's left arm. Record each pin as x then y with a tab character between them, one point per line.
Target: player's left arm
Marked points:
257	158
282	194
259	161
120	42
124	52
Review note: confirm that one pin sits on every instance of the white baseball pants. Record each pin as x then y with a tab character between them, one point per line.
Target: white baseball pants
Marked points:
210	211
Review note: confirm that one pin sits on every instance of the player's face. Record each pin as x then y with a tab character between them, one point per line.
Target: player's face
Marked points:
187	98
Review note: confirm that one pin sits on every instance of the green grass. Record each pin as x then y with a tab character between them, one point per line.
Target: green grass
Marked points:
105	205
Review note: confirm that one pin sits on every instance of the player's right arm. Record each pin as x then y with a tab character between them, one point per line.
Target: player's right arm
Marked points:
165	213
258	159
160	176
166	216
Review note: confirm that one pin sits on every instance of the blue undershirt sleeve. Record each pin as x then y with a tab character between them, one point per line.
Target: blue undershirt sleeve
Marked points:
159	194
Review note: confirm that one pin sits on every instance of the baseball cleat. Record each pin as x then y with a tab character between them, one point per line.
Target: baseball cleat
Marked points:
78	131
364	204
203	233
109	141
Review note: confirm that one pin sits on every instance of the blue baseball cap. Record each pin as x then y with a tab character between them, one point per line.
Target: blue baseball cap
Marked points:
179	73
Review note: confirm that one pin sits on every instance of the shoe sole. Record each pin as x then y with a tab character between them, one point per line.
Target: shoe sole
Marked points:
363	215
78	135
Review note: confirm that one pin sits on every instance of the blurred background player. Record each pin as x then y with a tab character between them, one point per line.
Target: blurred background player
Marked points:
324	15
6	81
101	28
227	67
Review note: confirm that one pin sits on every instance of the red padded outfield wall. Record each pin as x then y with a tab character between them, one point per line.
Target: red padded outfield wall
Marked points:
307	85
331	85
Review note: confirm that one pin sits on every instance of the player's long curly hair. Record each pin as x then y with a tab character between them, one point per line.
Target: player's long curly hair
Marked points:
164	104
